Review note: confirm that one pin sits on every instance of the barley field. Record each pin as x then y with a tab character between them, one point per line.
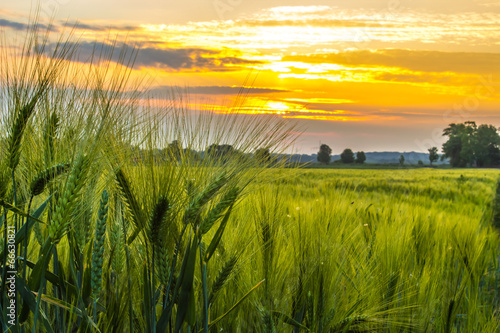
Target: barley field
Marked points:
105	230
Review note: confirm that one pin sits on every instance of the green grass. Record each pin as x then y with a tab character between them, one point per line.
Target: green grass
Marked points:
351	240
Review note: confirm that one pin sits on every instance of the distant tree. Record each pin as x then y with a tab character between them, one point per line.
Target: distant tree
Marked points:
221	152
174	150
486	144
324	154
347	156
263	155
469	144
360	157
401	160
433	155
459	147
420	163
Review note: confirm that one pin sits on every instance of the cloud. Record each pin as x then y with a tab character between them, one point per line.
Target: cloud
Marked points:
227	90
442	79
13	25
97	27
22	26
414	60
324	23
177	59
220	90
190	58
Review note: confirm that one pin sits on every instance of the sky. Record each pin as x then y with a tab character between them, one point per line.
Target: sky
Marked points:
362	74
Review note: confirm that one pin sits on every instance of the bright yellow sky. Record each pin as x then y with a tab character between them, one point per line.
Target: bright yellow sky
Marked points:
368	75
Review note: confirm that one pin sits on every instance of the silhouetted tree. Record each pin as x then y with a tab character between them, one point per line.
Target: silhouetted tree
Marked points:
324	154
360	157
468	144
486	146
347	156
401	160
433	155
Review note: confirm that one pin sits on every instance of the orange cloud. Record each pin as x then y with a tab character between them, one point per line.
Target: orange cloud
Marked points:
415	60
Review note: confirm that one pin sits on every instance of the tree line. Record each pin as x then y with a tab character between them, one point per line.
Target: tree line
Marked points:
468	145
347	156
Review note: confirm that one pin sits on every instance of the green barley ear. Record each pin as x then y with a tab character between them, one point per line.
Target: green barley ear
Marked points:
21	120
190	187
4	182
41	180
50	132
60	222
350	324
193	211
222	277
218	211
156	220
129	198
39	235
161	263
117	247
98	249
267	321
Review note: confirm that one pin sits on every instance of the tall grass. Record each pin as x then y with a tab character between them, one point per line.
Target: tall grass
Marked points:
74	130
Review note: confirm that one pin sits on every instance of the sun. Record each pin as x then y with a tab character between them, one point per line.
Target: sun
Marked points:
278	107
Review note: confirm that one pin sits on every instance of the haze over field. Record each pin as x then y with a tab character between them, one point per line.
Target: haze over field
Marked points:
369	75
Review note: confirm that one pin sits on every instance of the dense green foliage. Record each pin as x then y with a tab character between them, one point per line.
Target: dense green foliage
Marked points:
469	144
347	156
324	154
433	155
360	157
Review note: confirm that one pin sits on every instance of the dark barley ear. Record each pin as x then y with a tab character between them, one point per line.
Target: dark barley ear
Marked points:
41	180
156	220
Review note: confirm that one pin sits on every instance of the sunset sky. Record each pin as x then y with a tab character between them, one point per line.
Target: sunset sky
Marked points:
370	75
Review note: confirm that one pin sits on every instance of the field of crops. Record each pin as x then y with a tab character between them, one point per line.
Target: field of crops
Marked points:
103	230
390	250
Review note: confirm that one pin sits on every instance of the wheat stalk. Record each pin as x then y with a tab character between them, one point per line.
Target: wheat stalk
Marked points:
60	222
98	248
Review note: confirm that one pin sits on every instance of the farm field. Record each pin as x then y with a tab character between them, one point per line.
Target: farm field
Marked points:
388	250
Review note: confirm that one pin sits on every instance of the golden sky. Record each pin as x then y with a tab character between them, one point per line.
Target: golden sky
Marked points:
368	75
